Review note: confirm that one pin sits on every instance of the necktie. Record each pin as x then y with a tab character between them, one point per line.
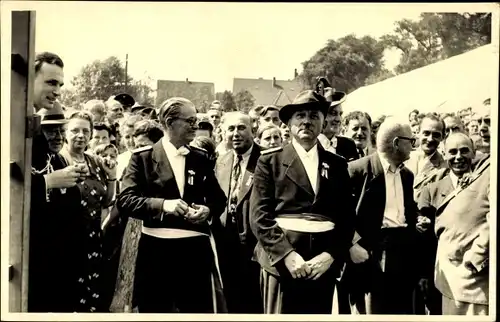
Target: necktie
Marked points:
235	176
361	152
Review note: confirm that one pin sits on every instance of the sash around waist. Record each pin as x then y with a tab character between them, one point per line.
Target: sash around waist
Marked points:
305	223
175	223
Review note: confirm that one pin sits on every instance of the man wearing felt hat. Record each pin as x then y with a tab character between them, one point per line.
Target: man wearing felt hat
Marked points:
172	188
302	213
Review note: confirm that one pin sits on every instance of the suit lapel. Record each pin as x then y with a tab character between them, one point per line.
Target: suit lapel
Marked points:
224	169
377	181
162	166
295	170
322	180
445	187
247	180
189	172
433	163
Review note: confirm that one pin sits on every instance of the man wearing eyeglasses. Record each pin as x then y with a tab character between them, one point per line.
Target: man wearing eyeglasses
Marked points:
172	188
381	272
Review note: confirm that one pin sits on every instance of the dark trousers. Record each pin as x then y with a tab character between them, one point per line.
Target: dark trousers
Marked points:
174	275
387	290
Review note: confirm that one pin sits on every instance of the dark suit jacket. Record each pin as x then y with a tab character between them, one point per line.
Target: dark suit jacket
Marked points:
281	186
149	180
223	170
347	148
368	181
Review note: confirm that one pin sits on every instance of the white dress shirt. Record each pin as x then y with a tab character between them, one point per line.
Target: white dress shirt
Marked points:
394	213
310	160
177	162
328	145
454	179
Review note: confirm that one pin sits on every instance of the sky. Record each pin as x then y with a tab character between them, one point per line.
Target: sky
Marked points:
208	42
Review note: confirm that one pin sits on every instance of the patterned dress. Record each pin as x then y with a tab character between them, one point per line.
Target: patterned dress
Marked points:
93	192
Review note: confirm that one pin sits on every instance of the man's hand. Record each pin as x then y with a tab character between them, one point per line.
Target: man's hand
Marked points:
199	215
176	207
467	260
63	178
296	265
319	265
358	254
109	166
423	223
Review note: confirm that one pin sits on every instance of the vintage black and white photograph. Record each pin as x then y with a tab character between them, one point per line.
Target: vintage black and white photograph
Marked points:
246	160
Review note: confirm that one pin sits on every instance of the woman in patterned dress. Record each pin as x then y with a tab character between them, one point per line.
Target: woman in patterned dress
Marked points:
95	194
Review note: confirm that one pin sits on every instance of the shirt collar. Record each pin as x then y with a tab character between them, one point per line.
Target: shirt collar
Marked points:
170	149
386	165
246	154
454	179
302	152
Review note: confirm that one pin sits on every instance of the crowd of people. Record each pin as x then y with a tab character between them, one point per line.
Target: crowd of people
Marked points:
297	209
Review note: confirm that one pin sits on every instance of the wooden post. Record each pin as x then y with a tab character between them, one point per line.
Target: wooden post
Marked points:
21	113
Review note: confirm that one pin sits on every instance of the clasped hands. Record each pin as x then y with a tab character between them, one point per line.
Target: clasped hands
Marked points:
312	269
194	213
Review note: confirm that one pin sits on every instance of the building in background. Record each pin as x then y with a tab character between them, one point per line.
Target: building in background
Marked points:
269	91
200	93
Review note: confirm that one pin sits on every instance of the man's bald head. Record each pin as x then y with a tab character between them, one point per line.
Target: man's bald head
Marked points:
459	152
231	116
393	139
458	136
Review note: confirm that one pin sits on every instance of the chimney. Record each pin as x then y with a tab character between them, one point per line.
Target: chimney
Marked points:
295	74
274	82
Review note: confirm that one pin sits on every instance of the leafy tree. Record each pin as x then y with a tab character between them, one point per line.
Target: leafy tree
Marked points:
346	62
102	79
69	99
379	76
227	100
244	100
437	36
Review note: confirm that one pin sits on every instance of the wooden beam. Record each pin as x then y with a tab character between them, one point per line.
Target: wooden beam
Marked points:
21	104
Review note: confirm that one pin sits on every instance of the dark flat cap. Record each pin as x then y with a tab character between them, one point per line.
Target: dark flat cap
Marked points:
306	100
334	97
126	100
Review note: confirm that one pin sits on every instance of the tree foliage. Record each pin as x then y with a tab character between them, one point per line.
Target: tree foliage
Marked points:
437	36
346	62
227	100
104	78
244	100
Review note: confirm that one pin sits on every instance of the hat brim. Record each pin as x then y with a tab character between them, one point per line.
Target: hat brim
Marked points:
54	122
337	98
287	111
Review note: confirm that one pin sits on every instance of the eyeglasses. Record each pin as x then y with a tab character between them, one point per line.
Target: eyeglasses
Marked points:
191	121
53	131
413	141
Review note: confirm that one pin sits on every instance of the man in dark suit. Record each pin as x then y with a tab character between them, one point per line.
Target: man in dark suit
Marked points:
173	190
302	240
234	171
381	272
458	208
329	138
